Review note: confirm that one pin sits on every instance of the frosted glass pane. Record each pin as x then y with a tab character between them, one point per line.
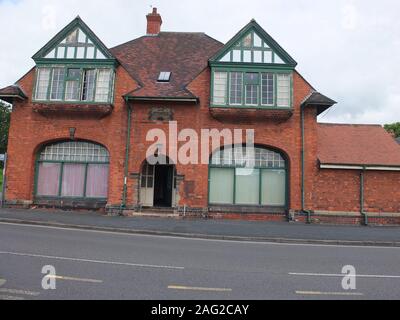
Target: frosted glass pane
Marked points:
82	37
237	56
81	53
246	56
273	187
61	52
247	186
100	55
226	58
257	41
70	52
90	53
267	56
278	59
220	87
257	56
221	185
247	41
52	54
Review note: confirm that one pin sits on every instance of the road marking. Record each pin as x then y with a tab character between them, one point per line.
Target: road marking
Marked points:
199	289
318	293
20	292
74	279
5	297
138	235
344	275
137	265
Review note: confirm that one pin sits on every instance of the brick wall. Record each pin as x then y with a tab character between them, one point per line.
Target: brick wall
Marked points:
339	190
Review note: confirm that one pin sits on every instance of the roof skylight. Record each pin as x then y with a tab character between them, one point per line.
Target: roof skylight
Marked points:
164	76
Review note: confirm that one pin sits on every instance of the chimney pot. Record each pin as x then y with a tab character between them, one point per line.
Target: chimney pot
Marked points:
154	22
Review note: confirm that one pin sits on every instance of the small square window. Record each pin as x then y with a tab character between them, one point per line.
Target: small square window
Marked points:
164	77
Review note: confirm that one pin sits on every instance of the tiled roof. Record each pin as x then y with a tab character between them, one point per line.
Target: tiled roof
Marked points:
356	145
317	99
183	54
11	92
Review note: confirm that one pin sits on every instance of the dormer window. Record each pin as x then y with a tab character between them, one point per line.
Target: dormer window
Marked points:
252	71
164	76
74	67
73	84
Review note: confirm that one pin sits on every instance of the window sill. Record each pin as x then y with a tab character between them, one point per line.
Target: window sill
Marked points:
241	114
247	209
71	203
61	109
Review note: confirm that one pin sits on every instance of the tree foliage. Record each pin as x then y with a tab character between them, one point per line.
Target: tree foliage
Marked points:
5	113
393	128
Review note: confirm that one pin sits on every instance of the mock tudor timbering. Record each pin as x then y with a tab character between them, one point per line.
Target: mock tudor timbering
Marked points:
113	97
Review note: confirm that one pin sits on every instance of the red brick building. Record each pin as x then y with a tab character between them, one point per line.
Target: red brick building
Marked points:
81	118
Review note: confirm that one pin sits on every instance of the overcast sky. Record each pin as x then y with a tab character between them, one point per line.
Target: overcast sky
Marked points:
348	50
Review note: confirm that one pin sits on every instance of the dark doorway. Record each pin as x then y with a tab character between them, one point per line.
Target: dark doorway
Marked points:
163	185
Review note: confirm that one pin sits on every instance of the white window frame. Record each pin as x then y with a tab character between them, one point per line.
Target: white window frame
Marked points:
230	88
273	89
225	90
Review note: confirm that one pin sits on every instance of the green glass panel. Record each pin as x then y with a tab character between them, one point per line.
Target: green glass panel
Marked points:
273	187
248	186
221	185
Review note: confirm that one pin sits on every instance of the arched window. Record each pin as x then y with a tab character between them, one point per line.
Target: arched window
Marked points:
73	169
241	176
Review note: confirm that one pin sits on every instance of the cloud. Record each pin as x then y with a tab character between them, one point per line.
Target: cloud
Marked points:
348	49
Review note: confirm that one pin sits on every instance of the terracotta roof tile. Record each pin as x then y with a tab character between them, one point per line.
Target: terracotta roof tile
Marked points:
357	145
183	54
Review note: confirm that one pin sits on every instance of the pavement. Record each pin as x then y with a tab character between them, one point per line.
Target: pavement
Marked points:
87	265
296	233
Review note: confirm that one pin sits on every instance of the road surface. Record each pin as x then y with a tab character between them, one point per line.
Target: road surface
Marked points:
100	265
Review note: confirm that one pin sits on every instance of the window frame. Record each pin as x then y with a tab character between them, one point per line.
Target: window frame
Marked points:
259	105
230	89
61	174
261	169
80	80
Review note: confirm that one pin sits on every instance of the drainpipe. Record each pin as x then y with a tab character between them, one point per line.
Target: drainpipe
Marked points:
128	137
362	196
303	169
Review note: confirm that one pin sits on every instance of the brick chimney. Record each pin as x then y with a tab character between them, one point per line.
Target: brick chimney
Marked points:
154	23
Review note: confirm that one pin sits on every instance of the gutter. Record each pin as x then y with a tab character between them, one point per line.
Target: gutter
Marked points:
362	196
127	148
303	183
172	99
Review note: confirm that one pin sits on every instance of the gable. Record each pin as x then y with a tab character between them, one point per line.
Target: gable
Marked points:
75	42
253	45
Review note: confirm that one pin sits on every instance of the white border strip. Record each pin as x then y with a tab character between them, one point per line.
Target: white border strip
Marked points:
369	168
